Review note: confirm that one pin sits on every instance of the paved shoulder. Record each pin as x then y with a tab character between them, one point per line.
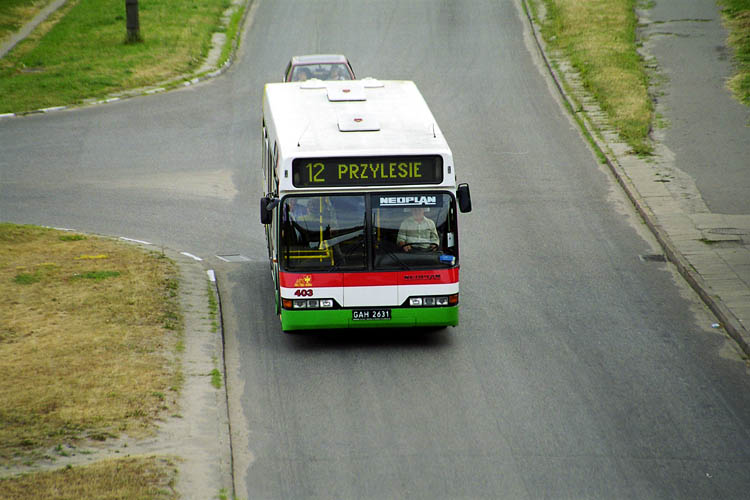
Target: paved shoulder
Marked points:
200	437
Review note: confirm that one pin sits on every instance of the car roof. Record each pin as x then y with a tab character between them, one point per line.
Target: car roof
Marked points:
319	59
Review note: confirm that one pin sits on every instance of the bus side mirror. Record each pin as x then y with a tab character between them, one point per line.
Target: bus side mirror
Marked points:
267	204
464	198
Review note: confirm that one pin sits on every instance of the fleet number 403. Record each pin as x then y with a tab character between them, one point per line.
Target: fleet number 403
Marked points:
303	293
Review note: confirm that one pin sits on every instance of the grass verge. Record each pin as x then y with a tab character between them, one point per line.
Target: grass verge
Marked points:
135	478
737	20
598	38
80	53
14	14
88	336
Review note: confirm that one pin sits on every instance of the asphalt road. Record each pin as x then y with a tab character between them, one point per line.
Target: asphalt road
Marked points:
578	369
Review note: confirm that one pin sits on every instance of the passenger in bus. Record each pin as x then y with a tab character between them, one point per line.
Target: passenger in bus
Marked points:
417	232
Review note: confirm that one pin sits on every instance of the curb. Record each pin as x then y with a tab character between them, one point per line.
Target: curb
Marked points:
202	439
728	319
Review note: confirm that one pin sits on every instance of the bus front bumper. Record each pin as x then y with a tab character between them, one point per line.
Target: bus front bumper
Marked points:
321	319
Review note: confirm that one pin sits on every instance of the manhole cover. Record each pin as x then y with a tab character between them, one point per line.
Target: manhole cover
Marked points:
233	258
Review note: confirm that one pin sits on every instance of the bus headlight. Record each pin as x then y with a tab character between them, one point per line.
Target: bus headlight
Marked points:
308	304
432	301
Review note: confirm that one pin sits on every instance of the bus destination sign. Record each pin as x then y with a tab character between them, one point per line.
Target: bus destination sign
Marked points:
367	171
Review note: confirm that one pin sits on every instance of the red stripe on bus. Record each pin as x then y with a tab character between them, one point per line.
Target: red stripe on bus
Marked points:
310	280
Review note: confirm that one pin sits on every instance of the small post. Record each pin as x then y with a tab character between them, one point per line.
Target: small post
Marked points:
132	23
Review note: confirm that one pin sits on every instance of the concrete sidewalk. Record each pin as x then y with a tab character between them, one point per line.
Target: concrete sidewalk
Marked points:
703	153
30	26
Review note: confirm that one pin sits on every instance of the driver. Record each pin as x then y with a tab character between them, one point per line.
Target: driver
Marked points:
417	232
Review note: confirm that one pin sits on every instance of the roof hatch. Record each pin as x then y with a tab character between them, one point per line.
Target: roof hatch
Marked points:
359	122
346	91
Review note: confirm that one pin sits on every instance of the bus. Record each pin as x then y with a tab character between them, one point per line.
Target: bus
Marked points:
360	206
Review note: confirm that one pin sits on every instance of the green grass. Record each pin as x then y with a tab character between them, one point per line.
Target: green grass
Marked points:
598	38
72	237
213	308
135	478
97	275
216	378
737	19
80	53
232	31
27	278
14	14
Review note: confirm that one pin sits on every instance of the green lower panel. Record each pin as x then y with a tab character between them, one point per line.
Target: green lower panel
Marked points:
342	318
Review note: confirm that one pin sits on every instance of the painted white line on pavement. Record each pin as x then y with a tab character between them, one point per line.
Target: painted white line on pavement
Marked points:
135	241
211	275
186	254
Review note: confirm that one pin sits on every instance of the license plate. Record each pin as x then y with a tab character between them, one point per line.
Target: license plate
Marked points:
367	314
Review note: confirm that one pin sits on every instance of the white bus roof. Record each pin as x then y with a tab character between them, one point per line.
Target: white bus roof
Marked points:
351	118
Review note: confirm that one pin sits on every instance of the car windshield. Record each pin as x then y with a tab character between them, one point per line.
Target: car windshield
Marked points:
406	231
336	71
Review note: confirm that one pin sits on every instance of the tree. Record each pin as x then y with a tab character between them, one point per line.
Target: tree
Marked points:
132	23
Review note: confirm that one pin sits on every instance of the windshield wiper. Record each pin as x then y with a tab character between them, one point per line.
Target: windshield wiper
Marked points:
395	257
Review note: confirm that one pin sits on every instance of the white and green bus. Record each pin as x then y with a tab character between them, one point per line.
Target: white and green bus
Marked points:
360	206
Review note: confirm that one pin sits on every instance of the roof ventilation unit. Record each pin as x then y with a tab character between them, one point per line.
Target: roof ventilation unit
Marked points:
346	91
358	123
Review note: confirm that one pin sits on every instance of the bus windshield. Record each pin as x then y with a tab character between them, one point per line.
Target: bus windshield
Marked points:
406	231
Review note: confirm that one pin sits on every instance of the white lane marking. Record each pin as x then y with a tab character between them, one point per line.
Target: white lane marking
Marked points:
186	254
211	275
135	241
